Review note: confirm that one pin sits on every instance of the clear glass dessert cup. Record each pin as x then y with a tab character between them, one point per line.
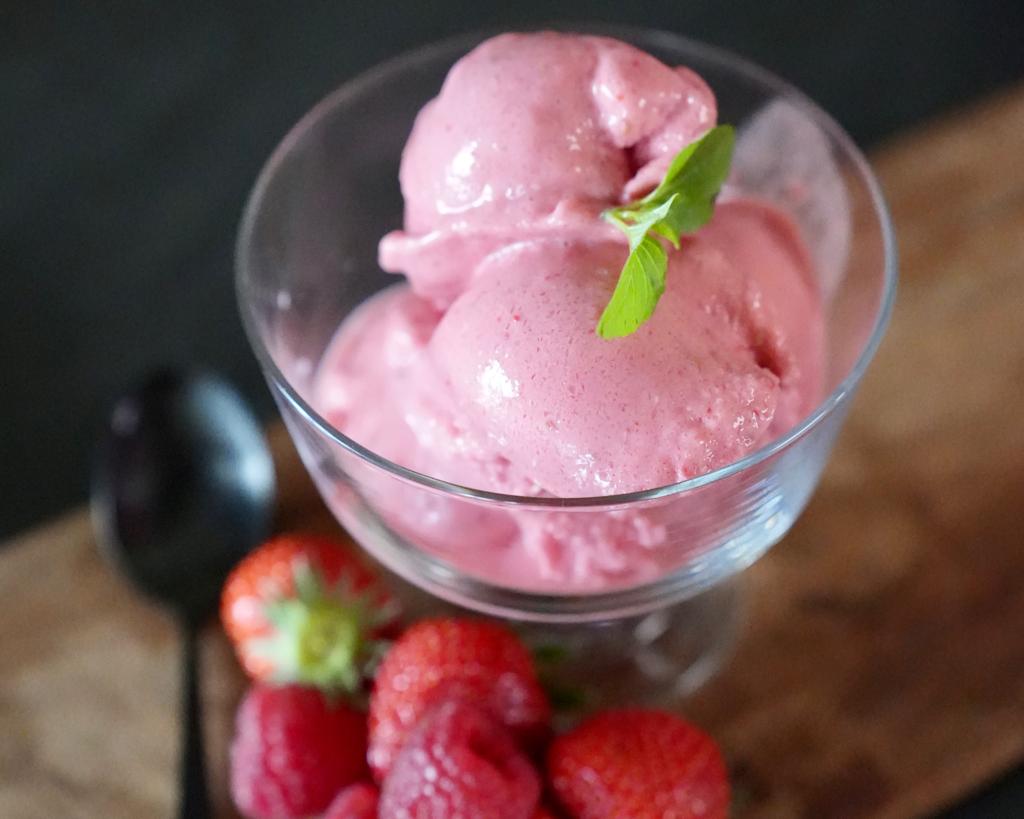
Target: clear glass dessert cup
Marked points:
307	256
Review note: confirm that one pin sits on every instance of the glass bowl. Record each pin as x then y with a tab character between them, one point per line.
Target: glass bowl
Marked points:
307	256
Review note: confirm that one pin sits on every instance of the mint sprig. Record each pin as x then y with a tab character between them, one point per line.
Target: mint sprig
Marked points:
682	203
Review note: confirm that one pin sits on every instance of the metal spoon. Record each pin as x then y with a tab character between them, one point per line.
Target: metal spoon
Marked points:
182	488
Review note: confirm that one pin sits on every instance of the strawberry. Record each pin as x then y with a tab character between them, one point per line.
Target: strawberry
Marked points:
293	751
302	609
476	660
357	801
460	763
638	764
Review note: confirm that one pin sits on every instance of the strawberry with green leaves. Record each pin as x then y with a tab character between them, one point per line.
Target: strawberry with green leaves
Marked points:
302	609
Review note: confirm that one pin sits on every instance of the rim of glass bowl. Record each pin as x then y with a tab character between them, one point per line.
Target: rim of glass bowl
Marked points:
442	571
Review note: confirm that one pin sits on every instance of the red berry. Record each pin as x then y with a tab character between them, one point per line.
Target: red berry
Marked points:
460	763
303	609
293	751
479	661
357	801
637	764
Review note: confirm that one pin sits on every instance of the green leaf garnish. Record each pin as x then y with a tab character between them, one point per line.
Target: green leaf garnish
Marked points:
640	285
682	203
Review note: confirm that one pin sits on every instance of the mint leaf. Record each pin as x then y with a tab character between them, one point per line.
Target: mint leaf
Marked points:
682	203
656	220
675	166
640	285
705	170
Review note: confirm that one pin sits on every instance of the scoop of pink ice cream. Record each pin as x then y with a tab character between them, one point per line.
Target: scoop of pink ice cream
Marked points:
377	382
534	133
695	388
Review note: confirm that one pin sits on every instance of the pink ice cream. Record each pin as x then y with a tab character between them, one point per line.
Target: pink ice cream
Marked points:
485	370
534	134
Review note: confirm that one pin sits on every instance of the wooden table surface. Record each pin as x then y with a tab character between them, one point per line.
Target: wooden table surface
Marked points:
882	670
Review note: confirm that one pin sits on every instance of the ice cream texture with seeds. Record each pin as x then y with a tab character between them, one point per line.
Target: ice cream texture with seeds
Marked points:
483	368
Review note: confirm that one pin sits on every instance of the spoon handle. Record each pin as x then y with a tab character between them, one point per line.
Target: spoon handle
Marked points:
195	800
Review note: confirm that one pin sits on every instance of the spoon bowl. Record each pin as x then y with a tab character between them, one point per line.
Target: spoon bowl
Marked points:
183	487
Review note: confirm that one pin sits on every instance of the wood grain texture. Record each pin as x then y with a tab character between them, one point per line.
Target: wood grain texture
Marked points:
881	674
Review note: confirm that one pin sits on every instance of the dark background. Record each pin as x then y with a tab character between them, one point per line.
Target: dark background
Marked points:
132	132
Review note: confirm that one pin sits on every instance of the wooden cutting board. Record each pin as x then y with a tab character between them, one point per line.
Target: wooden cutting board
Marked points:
881	673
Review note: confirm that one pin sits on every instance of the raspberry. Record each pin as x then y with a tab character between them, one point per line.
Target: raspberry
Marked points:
293	751
436	660
460	763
